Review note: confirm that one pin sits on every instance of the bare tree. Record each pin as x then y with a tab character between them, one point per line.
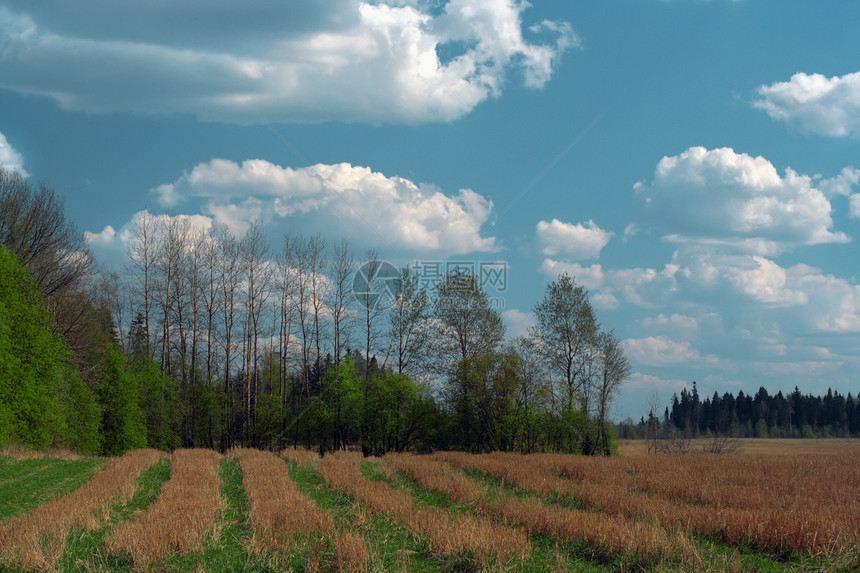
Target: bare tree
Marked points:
230	276
33	226
341	268
409	324
320	292
254	251
613	369
169	256
141	254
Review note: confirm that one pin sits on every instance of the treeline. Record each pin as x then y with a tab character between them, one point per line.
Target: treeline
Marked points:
212	339
763	415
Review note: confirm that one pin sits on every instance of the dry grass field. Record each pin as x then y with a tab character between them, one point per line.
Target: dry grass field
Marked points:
775	505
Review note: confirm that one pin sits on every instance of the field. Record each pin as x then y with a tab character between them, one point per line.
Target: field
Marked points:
773	506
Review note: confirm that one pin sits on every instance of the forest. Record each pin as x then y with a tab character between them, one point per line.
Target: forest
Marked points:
760	416
211	339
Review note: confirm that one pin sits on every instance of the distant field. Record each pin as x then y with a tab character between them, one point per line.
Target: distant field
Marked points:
763	446
777	506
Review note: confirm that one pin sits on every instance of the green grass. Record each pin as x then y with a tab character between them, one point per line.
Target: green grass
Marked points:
27	484
393	546
85	550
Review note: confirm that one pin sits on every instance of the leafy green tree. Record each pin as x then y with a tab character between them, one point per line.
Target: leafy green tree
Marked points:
80	411
117	393
566	332
157	401
32	361
338	410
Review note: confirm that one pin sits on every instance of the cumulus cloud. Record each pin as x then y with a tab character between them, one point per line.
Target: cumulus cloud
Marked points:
105	237
518	322
662	351
418	216
380	62
575	241
10	159
815	103
732	200
842	184
639	380
673	322
641	287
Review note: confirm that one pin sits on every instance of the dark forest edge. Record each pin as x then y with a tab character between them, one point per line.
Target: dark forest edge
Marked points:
761	415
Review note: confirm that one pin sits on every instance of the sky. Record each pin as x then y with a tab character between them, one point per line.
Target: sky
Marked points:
694	164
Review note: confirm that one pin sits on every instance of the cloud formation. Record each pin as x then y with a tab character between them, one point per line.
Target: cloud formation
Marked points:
345	60
575	241
662	351
416	216
733	200
815	103
10	159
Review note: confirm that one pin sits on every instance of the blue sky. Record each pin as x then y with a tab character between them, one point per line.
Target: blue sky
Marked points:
693	163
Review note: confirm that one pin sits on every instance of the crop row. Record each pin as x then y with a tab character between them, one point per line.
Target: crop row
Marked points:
639	512
797	504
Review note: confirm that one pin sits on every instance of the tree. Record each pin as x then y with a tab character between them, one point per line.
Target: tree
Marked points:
566	332
613	369
34	228
470	326
141	254
471	331
409	324
341	268
121	423
32	359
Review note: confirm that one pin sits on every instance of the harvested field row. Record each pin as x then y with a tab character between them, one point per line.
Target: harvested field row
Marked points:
606	534
299	455
824	527
278	511
742	481
182	514
37	540
446	534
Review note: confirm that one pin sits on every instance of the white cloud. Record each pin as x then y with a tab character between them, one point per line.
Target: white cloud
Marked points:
575	241
639	380
732	200
765	281
10	159
105	237
417	216
346	60
673	322
591	277
854	206
816	103
518	322
641	287
842	184
662	351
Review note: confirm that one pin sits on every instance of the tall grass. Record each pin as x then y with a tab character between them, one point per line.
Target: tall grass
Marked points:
447	534
604	534
775	503
37	540
182	514
299	455
278	511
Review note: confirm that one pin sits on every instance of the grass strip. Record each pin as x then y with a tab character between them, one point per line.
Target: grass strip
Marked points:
27	484
392	547
37	540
